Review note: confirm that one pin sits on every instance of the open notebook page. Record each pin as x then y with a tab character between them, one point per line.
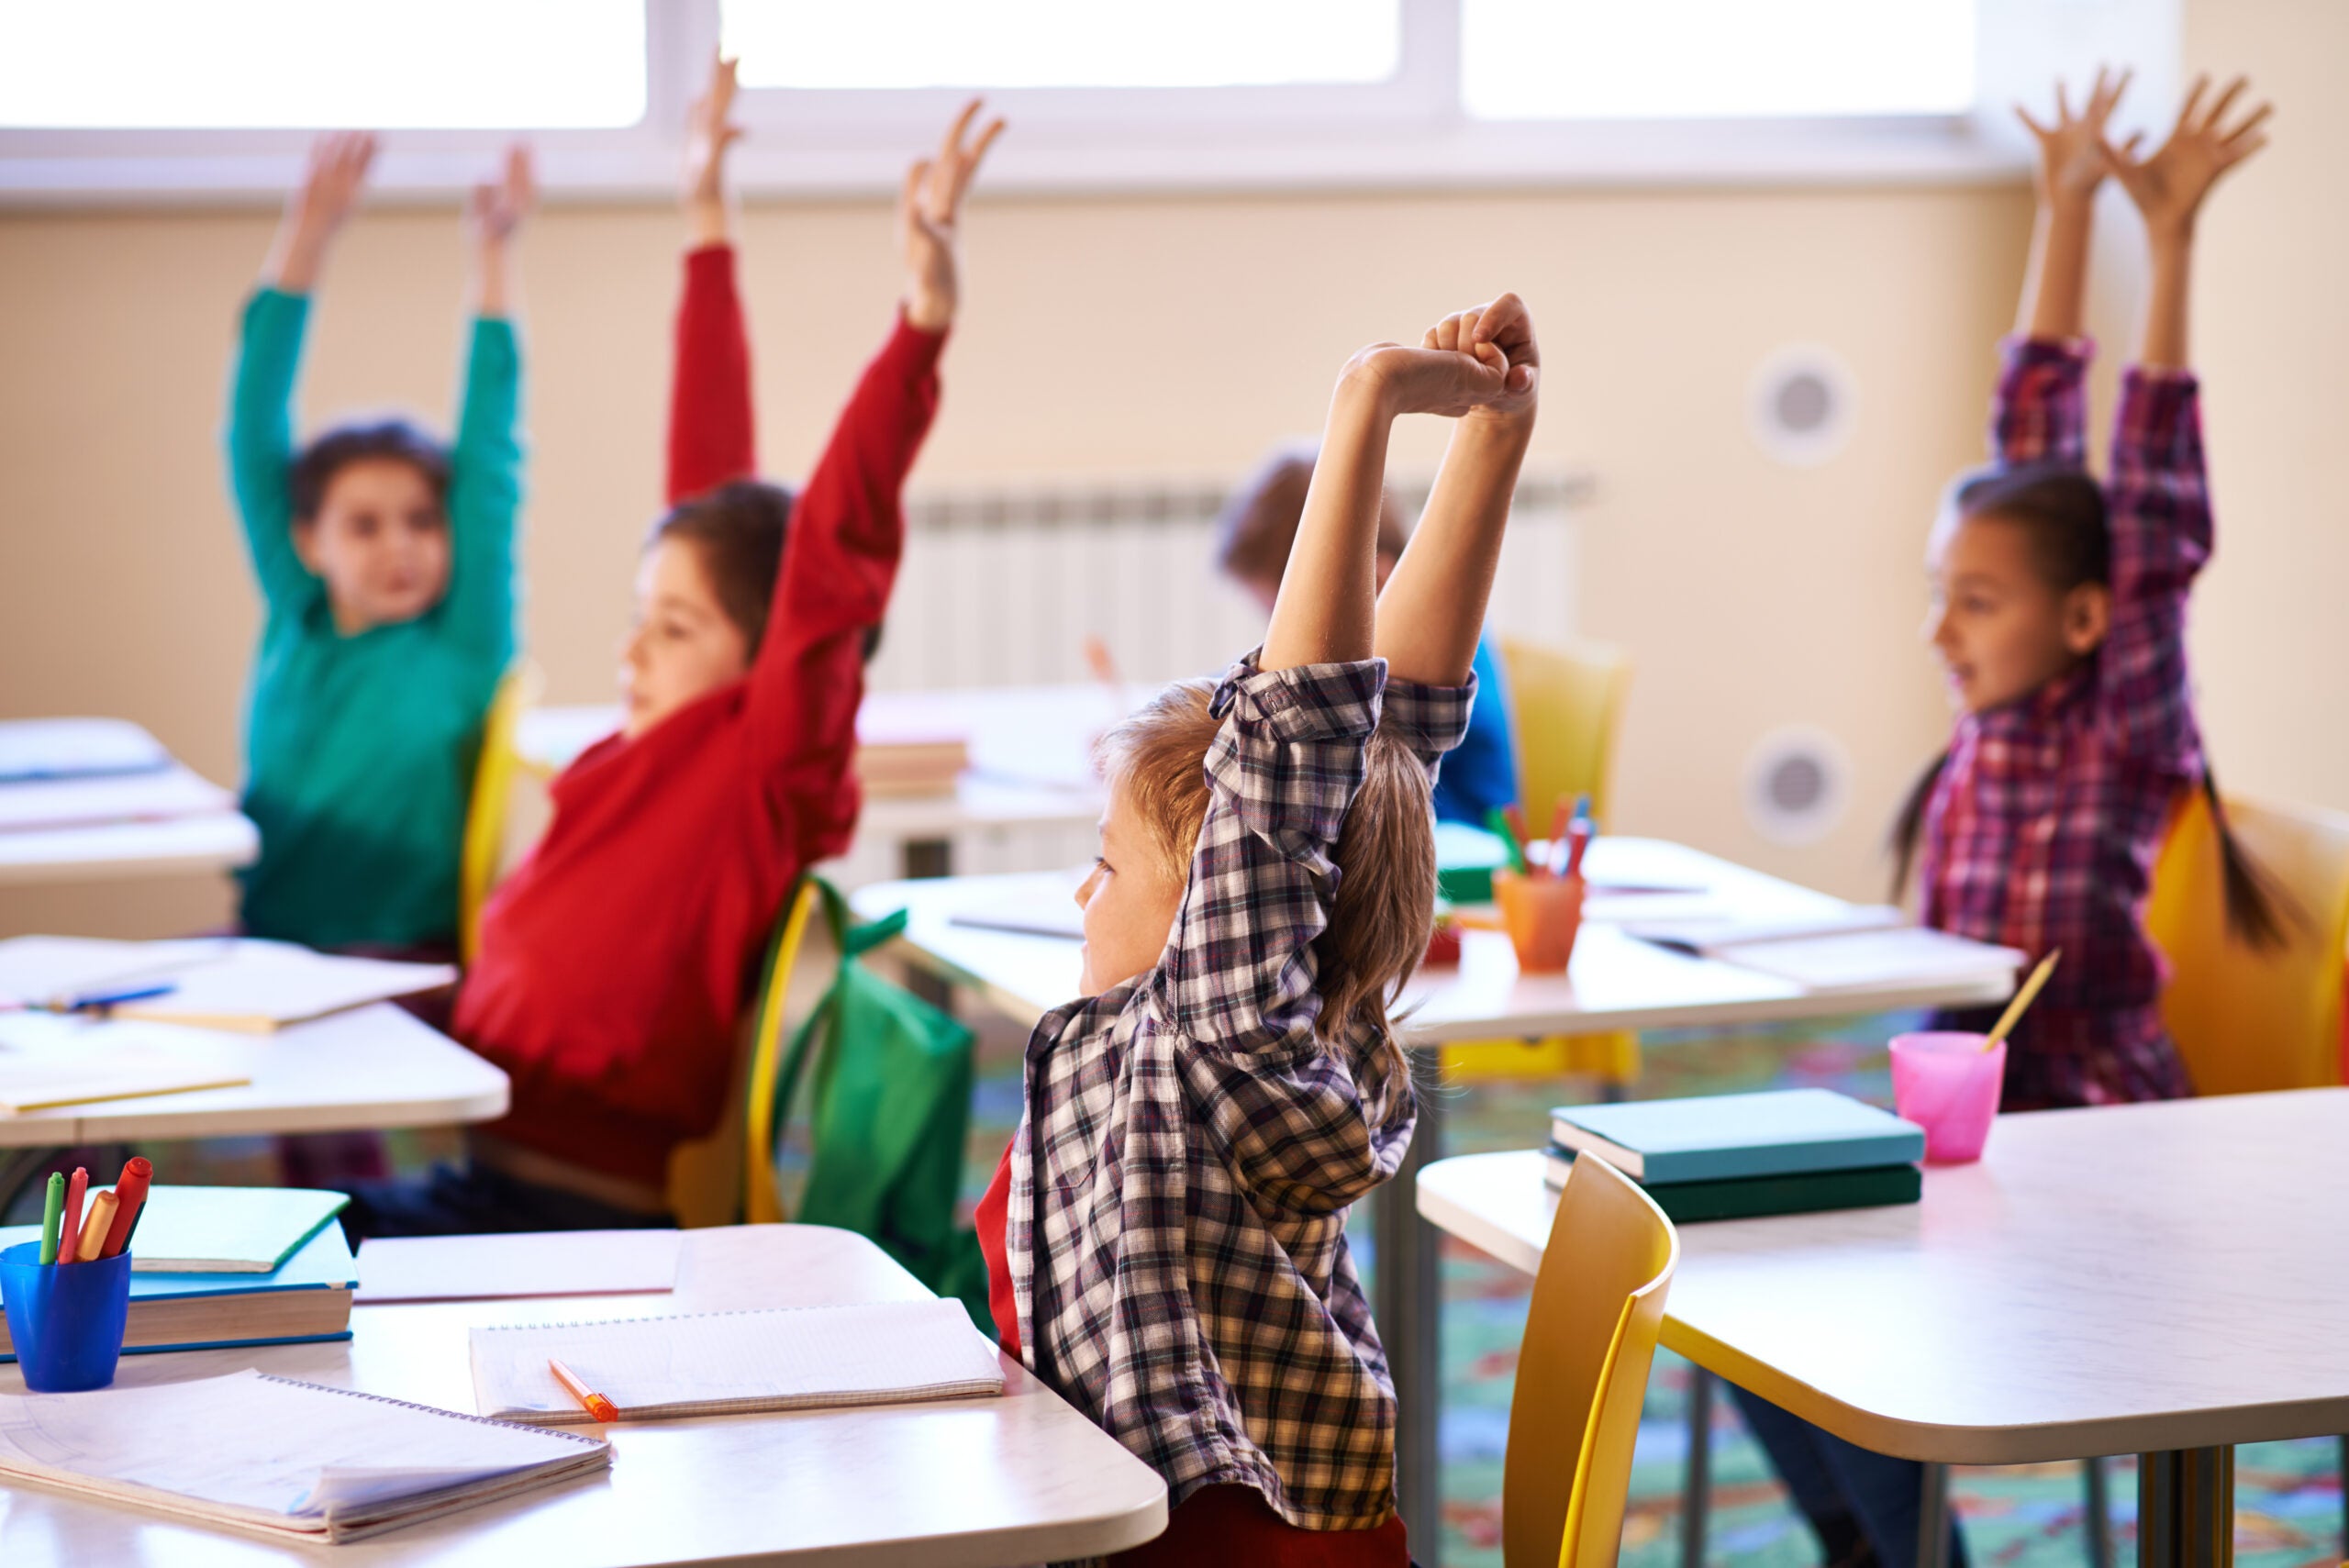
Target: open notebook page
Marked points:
780	1358
1863	959
556	1262
269	1452
49	1059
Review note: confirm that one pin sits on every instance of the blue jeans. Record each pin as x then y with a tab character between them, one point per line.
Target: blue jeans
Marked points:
1845	1490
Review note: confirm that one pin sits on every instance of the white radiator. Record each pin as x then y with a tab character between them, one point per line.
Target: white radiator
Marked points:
1001	587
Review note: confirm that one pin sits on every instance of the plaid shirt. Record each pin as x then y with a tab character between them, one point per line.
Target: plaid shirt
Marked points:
2044	827
1189	1150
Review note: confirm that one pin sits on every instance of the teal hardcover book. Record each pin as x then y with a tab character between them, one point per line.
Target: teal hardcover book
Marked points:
308	1297
225	1231
1753	1198
1716	1136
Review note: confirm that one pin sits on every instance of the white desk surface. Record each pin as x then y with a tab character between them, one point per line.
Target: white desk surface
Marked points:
1019	1479
1030	753
372	1067
2127	1279
1616	981
216	841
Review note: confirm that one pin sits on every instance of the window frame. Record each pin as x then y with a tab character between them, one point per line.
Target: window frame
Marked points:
1409	134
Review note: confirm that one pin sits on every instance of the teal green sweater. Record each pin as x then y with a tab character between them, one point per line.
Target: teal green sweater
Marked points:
360	750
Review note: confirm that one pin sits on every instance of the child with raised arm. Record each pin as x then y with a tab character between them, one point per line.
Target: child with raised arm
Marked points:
616	960
2059	613
1166	1236
386	561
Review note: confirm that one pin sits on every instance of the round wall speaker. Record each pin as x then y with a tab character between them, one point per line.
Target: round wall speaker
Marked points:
1797	783
1802	405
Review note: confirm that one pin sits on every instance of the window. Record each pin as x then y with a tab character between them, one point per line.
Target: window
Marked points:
163	97
127	64
824	45
1715	58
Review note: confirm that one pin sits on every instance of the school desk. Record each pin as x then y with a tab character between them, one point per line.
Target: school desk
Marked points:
1023	1478
1617	982
1030	760
371	1068
157	821
2164	1279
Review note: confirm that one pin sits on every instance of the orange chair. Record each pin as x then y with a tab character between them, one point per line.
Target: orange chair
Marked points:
1582	1372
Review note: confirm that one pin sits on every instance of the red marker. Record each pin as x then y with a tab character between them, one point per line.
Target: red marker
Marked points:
130	1191
77	1187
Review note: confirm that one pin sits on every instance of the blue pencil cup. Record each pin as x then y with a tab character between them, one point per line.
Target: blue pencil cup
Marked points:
67	1322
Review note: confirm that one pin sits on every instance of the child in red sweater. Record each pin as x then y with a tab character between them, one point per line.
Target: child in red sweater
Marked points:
616	960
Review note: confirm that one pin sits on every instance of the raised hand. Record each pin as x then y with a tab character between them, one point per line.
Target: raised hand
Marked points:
493	212
496	208
1481	360
2169	187
928	210
314	213
2072	158
710	131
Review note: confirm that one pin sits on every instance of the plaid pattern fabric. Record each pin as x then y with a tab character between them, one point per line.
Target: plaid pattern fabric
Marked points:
2044	827
1189	1150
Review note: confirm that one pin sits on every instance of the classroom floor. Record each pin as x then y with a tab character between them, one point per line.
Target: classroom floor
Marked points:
2288	1496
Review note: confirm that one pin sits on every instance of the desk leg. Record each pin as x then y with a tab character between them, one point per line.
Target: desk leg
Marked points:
2185	1509
1696	1495
2098	1514
1932	1518
1409	1304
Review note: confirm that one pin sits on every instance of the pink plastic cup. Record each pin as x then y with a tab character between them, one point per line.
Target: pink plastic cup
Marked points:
1948	1084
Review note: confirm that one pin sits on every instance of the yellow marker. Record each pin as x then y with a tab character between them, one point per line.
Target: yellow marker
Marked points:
594	1403
2023	997
95	1228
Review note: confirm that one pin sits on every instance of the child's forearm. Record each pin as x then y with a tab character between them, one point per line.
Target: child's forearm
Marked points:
297	255
1433	609
2166	302
2056	286
493	279
707	222
1328	598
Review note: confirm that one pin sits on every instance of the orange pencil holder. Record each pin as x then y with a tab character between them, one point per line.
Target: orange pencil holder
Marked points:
1543	915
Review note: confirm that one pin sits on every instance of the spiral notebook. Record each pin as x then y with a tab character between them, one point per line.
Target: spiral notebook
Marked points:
787	1358
285	1459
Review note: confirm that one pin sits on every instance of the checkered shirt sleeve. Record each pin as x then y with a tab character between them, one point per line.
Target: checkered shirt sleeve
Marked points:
2039	412
2158	513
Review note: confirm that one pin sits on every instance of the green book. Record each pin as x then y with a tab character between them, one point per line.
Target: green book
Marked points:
1465	859
228	1230
1753	1198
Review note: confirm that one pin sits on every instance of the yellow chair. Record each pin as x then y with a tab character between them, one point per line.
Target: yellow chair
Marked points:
1565	706
486	811
728	1177
2246	1020
1582	1372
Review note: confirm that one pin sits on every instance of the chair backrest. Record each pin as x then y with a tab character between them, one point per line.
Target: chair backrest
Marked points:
727	1178
1582	1373
2246	1020
485	811
1565	707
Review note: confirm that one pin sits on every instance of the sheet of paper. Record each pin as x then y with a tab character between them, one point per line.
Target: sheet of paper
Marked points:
165	793
262	1445
1048	913
1875	958
76	748
560	1262
45	969
258	985
49	1060
1717	937
783	1358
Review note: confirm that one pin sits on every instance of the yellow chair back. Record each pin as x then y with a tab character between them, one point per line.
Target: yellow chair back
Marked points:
1582	1373
2246	1020
1565	706
487	810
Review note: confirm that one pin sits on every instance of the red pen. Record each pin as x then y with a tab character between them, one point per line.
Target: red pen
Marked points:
77	1187
1579	836
131	1191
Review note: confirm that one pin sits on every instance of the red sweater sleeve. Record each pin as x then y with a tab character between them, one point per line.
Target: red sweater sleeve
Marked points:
709	392
839	559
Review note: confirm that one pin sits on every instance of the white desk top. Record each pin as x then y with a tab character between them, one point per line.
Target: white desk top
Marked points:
1616	981
111	824
2127	1279
1030	753
372	1067
1019	1479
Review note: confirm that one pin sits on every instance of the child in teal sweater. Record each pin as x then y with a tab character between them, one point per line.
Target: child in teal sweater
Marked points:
386	567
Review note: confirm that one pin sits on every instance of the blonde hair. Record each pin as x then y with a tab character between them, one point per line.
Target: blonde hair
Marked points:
1385	909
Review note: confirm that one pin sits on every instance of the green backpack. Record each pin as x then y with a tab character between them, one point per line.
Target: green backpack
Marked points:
890	1114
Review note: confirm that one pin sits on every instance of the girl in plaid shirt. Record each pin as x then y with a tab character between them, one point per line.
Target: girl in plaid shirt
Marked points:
2059	612
1166	1237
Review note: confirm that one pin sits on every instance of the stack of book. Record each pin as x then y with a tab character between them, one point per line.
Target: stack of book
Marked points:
1741	1156
908	760
213	1267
